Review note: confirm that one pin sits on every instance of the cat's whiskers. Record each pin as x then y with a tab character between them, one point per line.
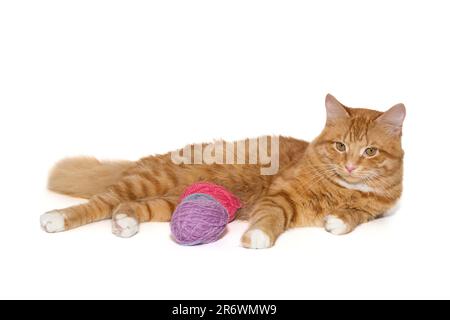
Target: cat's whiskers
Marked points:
380	185
318	176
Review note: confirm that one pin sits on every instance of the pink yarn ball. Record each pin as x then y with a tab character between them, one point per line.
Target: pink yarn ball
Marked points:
230	202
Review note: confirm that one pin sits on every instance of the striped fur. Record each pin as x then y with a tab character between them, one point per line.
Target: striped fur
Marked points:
307	189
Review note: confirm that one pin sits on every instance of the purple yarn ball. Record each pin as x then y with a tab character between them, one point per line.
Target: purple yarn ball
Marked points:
198	220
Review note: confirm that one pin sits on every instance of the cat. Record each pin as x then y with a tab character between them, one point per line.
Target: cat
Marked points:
350	174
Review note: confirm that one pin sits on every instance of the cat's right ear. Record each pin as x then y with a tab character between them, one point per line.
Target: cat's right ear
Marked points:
392	120
335	109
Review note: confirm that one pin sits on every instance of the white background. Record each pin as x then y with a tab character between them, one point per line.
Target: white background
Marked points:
124	79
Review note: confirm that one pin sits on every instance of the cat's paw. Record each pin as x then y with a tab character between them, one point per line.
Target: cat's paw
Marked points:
52	221
256	239
124	226
336	225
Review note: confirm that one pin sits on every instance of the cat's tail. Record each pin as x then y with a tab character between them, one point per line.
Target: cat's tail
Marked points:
85	177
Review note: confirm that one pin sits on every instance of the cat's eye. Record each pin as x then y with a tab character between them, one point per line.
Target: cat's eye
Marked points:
370	152
340	146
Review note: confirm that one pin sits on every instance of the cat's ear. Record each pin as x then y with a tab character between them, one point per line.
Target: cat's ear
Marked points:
392	120
335	109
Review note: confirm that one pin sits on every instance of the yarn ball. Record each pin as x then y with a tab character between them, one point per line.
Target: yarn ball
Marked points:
222	195
203	196
198	219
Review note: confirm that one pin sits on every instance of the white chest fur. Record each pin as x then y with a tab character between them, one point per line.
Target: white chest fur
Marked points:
355	186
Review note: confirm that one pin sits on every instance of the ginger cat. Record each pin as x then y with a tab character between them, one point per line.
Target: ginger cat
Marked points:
350	174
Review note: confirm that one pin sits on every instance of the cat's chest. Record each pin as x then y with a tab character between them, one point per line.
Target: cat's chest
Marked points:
361	187
331	197
355	198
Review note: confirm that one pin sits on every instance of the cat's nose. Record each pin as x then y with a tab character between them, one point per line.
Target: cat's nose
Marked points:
350	167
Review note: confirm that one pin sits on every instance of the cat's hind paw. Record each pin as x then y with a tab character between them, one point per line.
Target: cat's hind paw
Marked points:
256	239
336	225
52	221
124	226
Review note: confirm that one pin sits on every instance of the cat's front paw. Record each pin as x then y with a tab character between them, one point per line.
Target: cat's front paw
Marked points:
256	239
336	225
52	221
124	226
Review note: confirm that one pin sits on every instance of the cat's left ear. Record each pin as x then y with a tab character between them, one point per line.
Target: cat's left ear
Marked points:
392	119
335	109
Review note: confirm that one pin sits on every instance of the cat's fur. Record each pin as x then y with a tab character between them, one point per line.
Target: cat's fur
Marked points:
312	188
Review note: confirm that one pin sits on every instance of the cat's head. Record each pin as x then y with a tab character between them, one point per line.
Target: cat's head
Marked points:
360	145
